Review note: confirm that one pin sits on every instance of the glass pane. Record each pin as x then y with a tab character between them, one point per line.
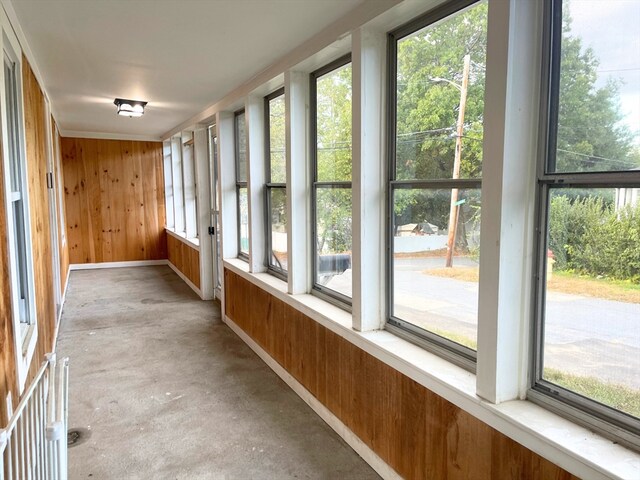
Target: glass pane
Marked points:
243	219
278	226
21	253
599	91
440	98
12	125
426	292
241	149
333	239
277	145
333	119
592	303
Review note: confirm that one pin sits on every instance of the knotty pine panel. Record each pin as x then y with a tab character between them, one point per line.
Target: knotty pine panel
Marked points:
418	433
185	258
114	200
36	133
7	355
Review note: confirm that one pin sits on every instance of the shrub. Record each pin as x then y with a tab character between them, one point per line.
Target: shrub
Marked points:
588	236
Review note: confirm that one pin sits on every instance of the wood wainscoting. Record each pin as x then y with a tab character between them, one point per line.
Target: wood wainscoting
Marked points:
114	200
185	258
416	432
36	133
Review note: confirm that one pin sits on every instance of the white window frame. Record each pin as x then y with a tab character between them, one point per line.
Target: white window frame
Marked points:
240	184
270	186
24	342
168	185
178	187
609	421
190	191
332	296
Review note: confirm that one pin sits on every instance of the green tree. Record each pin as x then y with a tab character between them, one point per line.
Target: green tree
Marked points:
334	161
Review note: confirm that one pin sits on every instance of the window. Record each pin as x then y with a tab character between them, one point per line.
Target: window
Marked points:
241	184
189	182
179	219
277	259
332	163
436	121
168	183
587	336
18	221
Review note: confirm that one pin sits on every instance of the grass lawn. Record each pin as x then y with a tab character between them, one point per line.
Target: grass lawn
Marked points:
617	290
616	396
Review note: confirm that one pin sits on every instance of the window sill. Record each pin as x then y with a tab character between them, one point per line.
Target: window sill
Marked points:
193	242
572	447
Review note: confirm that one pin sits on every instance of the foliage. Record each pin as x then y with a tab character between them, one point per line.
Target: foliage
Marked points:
590	134
588	236
620	397
334	161
277	146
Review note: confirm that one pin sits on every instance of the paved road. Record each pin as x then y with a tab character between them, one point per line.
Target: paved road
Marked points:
584	335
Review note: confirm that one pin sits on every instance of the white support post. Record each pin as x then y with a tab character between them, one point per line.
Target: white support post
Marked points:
227	166
508	191
201	153
369	160
296	88
256	175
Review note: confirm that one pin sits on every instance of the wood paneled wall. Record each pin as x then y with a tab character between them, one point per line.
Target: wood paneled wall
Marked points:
36	132
418	433
7	355
114	200
185	258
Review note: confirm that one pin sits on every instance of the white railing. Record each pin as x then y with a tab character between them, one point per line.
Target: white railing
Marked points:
34	443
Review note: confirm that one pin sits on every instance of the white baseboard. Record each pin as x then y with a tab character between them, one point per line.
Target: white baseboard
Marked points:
362	449
186	280
137	263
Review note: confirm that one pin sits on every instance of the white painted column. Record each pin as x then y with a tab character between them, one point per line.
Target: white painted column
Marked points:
508	192
296	88
201	153
227	192
369	161
256	174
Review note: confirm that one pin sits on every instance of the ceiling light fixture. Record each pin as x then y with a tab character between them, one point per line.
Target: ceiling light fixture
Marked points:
129	108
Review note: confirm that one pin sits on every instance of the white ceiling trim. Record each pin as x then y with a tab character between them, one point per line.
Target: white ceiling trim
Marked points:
358	17
108	136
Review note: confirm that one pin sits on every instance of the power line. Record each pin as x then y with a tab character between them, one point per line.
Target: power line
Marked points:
610	160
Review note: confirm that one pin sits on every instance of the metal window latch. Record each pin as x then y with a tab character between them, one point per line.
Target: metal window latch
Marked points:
212	230
49	180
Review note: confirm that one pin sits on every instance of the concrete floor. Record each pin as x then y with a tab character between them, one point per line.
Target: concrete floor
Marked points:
167	391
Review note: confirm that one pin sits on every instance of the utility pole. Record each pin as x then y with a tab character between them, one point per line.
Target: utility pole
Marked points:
453	211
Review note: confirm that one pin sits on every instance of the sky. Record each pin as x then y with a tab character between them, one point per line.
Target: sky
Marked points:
612	29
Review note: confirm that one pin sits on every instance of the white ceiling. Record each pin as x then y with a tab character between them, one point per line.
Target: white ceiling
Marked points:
179	55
